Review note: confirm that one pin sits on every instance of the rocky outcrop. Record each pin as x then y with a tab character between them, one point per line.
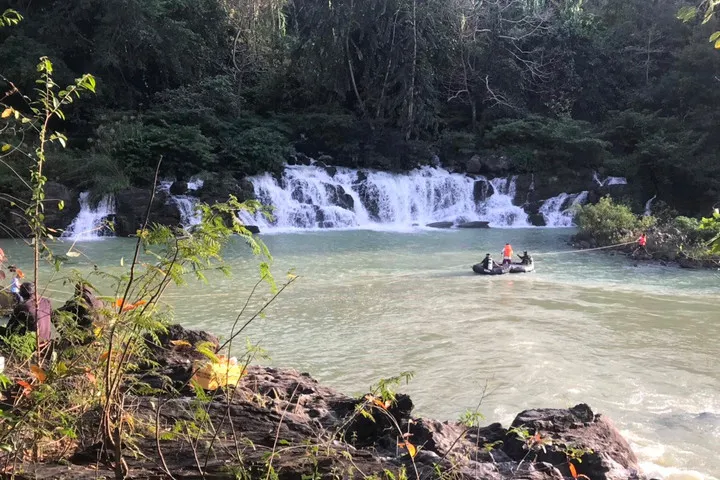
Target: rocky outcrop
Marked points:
217	189
56	218
289	413
131	208
490	164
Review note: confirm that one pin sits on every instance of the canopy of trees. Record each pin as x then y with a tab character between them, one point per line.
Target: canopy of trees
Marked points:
622	86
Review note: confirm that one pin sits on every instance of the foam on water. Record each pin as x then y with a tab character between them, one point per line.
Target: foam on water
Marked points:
559	211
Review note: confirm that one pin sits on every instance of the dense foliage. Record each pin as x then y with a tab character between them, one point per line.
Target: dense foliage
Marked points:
235	85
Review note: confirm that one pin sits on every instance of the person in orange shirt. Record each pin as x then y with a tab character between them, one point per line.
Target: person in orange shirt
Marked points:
642	242
507	254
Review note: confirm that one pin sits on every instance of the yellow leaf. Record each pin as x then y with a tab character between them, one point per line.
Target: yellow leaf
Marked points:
38	373
411	449
7	112
717	44
6	147
181	343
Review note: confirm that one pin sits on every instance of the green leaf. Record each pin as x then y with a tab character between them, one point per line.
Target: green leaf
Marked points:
717	44
61	205
6	147
714	36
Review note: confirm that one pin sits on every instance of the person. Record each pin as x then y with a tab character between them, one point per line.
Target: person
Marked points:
488	263
525	259
507	254
27	317
16	282
642	242
84	307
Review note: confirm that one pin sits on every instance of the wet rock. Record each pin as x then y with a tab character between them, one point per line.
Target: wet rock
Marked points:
537	220
179	188
131	207
218	188
331	171
607	455
440	225
252	228
475	224
490	164
338	196
481	190
303	159
368	196
326	159
54	194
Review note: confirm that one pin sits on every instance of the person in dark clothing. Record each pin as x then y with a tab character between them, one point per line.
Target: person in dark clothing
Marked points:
488	263
525	259
26	317
84	307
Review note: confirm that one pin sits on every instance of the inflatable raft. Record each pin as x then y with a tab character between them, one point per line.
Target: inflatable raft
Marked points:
503	269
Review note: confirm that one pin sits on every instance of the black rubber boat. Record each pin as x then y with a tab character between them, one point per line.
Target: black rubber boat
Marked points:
522	268
503	269
496	270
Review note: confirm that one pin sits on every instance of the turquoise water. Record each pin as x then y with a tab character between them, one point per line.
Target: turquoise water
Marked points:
637	342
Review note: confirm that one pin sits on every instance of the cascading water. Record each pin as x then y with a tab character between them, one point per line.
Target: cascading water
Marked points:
90	223
648	206
184	203
310	197
609	180
559	211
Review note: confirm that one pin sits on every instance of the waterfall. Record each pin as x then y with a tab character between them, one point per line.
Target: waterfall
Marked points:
609	180
90	223
559	211
184	203
648	206
308	197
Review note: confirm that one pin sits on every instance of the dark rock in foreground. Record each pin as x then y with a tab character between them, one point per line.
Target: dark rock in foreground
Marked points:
317	432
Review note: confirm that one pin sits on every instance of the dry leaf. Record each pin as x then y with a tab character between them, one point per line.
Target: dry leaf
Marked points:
38	373
573	471
181	343
7	112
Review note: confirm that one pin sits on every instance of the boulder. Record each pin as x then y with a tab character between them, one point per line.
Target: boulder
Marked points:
218	189
537	220
331	171
481	190
131	207
607	455
54	194
303	159
490	164
440	225
179	188
368	197
326	159
338	196
475	224
252	228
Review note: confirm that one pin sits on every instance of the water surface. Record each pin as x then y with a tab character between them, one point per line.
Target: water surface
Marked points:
638	343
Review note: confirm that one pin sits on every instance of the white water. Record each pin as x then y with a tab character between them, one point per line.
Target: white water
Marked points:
559	211
307	197
186	204
609	180
648	206
89	223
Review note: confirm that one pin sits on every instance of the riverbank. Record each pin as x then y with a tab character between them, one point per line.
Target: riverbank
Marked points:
284	424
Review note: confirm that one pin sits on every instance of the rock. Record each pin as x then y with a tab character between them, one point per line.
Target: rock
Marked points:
331	171
326	159
440	225
179	188
492	164
481	190
369	197
537	220
168	353
608	456
474	166
218	188
252	228
338	196
131	207
475	224
54	194
303	159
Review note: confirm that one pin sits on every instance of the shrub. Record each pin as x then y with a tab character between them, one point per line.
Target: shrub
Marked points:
609	223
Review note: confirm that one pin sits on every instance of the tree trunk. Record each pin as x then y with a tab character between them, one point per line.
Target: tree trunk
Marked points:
411	91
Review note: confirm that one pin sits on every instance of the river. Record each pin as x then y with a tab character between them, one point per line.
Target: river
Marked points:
638	343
